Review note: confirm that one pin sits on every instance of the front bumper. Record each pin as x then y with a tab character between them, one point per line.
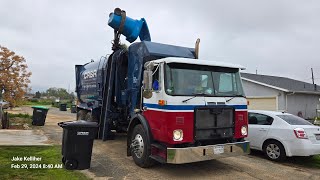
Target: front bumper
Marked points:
203	153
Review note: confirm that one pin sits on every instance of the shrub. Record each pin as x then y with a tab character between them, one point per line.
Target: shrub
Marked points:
20	115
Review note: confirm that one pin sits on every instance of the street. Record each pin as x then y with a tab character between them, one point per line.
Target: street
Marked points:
109	161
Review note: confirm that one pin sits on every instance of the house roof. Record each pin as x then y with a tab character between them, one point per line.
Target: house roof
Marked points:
281	83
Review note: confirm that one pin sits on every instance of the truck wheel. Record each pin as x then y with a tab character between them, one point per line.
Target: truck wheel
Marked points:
274	151
81	115
140	147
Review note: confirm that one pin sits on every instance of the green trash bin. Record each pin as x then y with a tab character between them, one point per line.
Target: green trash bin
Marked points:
39	115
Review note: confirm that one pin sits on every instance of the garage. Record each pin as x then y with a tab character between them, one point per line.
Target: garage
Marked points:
262	103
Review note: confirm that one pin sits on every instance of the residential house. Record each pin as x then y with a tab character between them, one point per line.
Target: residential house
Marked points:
281	94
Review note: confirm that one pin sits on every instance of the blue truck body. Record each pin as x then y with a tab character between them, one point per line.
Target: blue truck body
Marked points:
111	87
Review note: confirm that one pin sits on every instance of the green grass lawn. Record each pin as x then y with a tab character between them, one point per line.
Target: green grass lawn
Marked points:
313	162
51	155
38	103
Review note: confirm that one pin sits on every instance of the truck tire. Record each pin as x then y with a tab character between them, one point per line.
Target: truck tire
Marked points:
140	147
81	115
274	150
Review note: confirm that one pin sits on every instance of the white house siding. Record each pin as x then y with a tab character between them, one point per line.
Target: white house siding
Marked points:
253	90
305	103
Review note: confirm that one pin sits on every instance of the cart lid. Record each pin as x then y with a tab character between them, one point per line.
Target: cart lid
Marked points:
79	123
40	107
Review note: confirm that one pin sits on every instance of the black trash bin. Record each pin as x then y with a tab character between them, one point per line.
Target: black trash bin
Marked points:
63	107
77	142
73	109
39	115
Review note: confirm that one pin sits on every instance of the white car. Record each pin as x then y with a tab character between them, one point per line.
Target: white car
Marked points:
280	135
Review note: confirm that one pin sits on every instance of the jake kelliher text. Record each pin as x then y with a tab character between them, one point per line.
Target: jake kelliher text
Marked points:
26	158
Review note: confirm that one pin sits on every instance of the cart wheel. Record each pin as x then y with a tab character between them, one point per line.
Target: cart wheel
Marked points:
71	164
63	160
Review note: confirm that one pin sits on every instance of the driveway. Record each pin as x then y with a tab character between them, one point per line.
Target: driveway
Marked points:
109	160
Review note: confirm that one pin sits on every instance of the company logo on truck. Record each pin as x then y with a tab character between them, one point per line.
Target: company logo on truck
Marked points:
90	74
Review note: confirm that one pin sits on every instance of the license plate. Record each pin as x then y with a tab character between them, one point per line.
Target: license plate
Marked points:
317	136
218	149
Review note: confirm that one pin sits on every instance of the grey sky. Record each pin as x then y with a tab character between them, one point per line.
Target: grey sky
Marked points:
277	37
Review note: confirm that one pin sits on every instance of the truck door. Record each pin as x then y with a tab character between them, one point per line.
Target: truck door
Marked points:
259	125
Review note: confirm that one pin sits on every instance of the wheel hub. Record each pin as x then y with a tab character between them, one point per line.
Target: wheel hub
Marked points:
273	151
138	145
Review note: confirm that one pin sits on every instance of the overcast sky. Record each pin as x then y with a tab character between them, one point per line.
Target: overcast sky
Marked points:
276	37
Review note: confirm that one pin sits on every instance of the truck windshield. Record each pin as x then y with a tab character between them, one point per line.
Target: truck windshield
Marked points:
190	80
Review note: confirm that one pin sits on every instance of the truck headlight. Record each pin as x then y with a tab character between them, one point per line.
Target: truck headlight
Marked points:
244	131
178	135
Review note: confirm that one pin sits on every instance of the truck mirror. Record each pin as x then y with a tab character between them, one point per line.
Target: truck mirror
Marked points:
147	84
147	94
147	80
149	65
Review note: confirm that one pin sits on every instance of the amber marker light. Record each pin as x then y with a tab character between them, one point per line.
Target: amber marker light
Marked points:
162	102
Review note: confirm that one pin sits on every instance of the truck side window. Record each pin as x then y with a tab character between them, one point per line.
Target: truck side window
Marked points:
156	80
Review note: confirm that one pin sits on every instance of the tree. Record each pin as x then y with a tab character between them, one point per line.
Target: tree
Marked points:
14	76
59	93
37	95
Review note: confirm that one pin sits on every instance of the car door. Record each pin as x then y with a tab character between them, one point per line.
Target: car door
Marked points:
259	125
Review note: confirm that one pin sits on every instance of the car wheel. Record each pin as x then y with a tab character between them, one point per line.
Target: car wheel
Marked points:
140	147
81	115
274	151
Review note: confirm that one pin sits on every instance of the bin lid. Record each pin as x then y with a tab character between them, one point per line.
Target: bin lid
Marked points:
40	107
79	123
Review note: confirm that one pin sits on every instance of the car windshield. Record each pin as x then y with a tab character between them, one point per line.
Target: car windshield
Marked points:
190	79
294	120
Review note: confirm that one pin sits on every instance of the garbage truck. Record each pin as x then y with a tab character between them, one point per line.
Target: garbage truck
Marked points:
174	107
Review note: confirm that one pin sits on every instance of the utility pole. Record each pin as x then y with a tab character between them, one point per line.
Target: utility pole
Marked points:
315	86
312	76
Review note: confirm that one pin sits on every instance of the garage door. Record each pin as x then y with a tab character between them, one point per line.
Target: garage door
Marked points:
265	103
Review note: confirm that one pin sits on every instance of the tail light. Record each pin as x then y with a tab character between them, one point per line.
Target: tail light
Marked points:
300	133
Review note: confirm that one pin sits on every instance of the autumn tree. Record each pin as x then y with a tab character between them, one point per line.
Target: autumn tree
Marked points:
14	76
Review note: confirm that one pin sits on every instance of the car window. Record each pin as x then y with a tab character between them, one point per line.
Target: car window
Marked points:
260	119
294	120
